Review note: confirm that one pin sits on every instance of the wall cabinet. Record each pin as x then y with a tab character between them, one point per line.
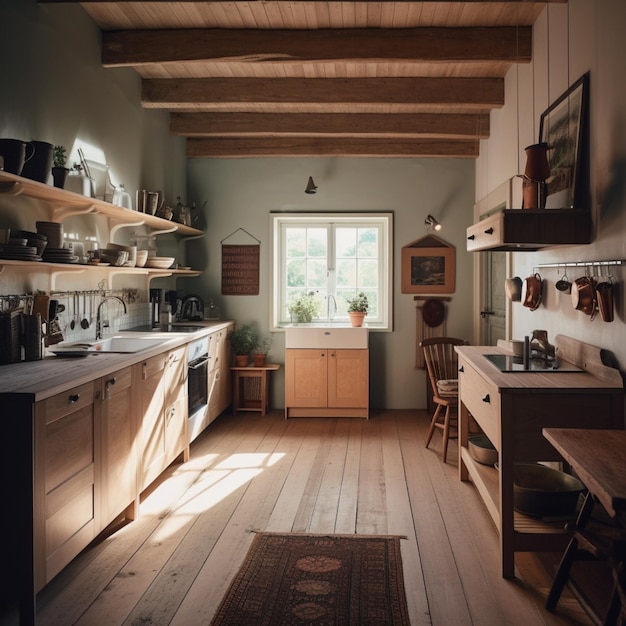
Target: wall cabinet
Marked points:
530	229
512	409
326	383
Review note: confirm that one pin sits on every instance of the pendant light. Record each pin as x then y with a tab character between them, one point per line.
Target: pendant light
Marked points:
311	187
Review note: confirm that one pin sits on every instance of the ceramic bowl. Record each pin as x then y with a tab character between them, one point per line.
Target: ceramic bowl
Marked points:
114	257
160	262
142	257
482	450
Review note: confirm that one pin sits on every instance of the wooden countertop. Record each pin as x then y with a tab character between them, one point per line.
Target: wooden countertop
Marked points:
54	374
597	375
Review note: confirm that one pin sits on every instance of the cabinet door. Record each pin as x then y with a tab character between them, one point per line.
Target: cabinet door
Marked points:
175	415
219	375
348	378
118	434
67	495
306	378
151	392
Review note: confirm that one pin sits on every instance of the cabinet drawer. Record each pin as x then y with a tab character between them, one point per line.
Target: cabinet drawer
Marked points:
69	401
486	234
482	401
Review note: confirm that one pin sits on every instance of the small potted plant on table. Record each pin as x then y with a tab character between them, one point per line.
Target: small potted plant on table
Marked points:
59	169
259	353
243	341
357	309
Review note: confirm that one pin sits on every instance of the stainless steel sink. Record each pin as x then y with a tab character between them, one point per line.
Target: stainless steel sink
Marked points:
117	344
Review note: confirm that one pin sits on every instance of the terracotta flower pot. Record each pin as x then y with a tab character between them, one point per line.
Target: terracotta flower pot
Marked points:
241	360
259	360
356	318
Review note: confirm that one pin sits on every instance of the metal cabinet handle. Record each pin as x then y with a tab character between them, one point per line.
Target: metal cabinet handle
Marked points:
487	399
461	369
472	237
74	398
489	231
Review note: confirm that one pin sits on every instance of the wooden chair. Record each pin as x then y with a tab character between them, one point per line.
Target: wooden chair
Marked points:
442	366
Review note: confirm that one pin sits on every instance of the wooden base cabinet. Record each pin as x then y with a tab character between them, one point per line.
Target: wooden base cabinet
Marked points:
326	383
512	409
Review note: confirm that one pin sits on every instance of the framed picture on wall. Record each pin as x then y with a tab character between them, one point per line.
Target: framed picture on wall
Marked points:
428	266
564	128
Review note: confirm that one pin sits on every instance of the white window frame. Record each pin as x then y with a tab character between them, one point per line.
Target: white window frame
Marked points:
382	220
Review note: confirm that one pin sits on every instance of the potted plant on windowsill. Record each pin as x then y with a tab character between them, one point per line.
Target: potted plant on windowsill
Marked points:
59	169
304	308
259	354
357	309
243	341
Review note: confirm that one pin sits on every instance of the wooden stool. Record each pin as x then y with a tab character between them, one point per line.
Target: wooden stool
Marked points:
251	387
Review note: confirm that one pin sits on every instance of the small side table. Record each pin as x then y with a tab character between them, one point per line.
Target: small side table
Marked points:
251	386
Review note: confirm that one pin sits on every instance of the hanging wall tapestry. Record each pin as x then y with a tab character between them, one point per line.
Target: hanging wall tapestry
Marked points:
240	267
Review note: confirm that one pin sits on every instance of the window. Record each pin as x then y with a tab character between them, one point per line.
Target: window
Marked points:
332	257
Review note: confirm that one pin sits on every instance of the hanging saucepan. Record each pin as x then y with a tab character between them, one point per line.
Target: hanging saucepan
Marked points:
563	284
584	296
604	299
433	312
533	286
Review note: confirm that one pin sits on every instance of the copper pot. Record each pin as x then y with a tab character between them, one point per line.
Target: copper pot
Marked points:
584	296
533	286
604	299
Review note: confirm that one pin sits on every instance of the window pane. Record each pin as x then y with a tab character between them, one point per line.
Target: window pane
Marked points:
368	242
295	273
295	242
345	242
317	242
346	273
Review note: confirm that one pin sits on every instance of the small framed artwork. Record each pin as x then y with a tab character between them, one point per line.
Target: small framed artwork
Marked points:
428	266
564	128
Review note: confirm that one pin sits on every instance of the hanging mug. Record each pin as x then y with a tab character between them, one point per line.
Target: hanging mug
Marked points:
584	296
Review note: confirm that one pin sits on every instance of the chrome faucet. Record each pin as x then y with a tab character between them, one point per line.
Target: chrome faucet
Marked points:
100	324
330	315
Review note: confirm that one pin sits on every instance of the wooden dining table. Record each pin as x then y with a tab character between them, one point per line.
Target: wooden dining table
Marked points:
599	459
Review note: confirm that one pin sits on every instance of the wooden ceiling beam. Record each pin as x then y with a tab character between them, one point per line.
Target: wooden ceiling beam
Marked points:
402	45
231	147
473	93
422	125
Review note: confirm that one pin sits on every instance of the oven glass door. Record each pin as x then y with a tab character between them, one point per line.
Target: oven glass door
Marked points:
198	383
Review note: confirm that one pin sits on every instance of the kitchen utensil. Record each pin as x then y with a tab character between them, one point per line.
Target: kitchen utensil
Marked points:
584	296
193	308
15	153
541	491
84	323
533	286
513	288
482	450
564	284
605	299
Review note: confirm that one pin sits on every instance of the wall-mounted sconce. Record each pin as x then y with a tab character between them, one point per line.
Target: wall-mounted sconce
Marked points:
311	186
431	222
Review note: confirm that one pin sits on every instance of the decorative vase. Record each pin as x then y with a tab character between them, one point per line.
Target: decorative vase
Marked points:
241	360
356	318
59	175
259	360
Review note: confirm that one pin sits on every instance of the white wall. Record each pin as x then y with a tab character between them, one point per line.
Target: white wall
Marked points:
595	43
241	193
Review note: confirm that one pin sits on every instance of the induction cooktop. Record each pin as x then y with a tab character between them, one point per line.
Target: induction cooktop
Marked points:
507	363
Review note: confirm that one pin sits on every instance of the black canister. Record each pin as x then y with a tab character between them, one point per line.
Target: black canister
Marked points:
32	337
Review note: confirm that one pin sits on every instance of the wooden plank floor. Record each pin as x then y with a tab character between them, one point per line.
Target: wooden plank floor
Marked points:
251	473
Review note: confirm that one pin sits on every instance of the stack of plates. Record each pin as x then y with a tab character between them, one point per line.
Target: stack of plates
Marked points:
32	239
59	255
18	252
53	231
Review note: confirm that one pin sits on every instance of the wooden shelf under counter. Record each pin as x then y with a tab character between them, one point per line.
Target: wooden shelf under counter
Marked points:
512	408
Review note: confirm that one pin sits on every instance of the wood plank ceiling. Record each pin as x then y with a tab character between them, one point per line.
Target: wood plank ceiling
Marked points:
315	78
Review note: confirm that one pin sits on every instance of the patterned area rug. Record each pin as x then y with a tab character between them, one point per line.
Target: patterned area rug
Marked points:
317	580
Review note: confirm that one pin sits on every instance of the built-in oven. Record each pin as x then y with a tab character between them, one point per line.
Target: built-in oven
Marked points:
197	384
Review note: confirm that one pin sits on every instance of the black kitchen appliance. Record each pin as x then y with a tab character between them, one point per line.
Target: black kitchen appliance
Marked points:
193	308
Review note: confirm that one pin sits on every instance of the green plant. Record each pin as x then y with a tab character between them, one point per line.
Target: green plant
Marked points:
59	156
358	304
263	345
306	307
243	340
